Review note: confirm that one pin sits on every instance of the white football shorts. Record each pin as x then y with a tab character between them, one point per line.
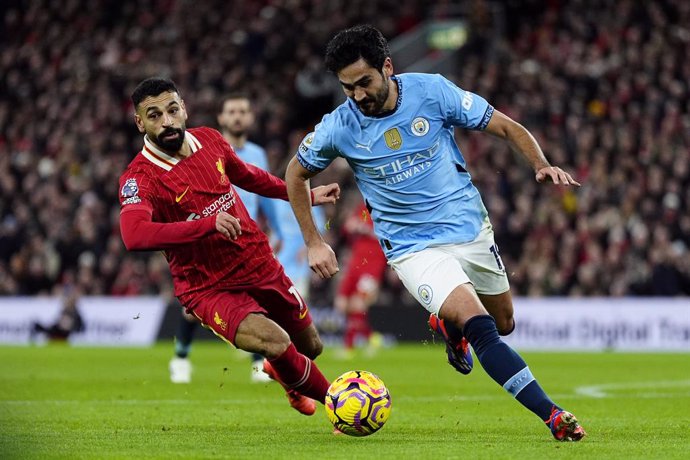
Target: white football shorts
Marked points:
431	274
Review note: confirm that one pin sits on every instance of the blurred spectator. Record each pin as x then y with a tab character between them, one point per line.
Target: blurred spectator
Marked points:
603	85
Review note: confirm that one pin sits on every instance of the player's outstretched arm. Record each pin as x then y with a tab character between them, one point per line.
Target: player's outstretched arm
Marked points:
524	143
321	257
140	233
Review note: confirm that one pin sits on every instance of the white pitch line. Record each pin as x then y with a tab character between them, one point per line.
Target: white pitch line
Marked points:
604	390
589	391
153	402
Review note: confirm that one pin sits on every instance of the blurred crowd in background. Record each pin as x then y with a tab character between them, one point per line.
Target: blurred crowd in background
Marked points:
603	85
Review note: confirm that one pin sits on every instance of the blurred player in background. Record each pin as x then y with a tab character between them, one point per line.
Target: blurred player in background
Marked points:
361	282
235	119
292	254
68	321
178	196
397	134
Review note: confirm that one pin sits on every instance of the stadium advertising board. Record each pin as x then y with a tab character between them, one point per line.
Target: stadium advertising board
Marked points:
108	321
631	324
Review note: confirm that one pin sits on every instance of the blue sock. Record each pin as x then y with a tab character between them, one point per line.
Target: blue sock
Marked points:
505	366
184	337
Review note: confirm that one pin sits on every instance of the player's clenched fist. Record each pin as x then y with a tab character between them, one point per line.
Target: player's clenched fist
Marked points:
228	226
326	194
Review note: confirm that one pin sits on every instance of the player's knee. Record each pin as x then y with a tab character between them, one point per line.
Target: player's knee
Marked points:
316	349
505	325
274	344
311	347
273	349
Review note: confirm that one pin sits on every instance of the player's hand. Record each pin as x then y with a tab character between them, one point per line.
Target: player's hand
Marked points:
322	260
555	175
326	194
228	226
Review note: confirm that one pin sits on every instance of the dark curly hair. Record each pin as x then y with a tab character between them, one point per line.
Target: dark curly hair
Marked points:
152	87
349	45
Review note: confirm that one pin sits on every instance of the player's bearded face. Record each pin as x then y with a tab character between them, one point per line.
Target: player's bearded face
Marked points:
373	104
162	118
170	138
367	86
236	116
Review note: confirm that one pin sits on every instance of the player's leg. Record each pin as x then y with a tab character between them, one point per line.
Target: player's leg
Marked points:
258	334
284	305
500	306
481	261
464	309
430	276
308	342
358	291
437	280
347	290
357	319
180	367
368	288
237	318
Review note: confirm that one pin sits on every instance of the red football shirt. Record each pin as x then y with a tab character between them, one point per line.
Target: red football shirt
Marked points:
186	194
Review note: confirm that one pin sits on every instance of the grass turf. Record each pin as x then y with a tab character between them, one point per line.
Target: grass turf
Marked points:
63	402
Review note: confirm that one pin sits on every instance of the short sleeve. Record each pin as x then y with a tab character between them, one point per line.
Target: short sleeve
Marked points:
463	108
317	149
135	191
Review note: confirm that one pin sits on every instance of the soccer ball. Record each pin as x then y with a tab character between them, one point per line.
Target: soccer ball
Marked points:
358	403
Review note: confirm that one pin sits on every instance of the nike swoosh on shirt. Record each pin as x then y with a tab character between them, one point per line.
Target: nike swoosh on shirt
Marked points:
178	198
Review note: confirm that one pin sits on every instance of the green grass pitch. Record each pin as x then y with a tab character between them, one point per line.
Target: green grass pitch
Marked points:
63	402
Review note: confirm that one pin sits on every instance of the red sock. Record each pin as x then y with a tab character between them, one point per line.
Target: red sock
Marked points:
299	373
357	324
349	336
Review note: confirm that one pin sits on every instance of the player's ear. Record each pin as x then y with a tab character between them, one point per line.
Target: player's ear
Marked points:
184	109
388	68
139	122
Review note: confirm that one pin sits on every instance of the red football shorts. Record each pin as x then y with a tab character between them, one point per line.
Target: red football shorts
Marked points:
223	310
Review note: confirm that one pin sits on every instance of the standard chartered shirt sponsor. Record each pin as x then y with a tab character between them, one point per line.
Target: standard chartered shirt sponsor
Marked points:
221	204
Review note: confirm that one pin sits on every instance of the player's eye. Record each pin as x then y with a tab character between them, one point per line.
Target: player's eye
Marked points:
153	116
173	111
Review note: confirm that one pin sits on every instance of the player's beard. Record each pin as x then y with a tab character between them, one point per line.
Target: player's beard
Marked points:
170	145
372	106
237	130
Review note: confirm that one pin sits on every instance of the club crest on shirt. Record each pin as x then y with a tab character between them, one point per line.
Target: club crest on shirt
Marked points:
420	126
393	139
221	169
425	293
130	188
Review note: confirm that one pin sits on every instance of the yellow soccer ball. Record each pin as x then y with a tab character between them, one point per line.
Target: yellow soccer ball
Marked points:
358	403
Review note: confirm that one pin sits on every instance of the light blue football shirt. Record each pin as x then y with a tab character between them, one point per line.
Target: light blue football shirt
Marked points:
407	164
255	155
